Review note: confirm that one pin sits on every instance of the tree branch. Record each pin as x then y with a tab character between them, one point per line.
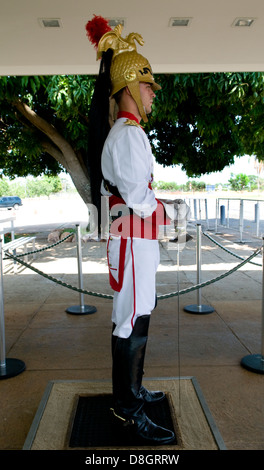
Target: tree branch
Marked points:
59	148
54	152
45	127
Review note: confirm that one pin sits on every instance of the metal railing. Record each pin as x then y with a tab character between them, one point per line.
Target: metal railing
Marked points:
245	216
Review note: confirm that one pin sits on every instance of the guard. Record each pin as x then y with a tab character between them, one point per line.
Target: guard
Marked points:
127	81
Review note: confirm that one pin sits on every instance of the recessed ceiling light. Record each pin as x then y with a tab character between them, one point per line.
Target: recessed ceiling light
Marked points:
116	21
174	22
243	22
50	22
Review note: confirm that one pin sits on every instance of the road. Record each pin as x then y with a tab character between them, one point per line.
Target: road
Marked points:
42	215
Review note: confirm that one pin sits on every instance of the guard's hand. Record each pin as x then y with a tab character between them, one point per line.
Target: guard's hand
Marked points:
177	210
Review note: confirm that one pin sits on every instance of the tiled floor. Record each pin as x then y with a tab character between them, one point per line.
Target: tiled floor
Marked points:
55	345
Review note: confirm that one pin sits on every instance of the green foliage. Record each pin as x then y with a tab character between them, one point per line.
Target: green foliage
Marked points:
70	98
172	186
242	182
43	186
239	182
31	187
166	186
4	187
62	101
21	152
195	186
201	121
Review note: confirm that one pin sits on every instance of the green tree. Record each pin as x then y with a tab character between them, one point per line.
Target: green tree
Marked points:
43	127
43	186
165	185
239	182
200	121
52	185
4	187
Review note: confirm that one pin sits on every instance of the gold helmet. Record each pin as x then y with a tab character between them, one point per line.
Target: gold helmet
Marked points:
128	68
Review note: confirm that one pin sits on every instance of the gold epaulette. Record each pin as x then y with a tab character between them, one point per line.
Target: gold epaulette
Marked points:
131	122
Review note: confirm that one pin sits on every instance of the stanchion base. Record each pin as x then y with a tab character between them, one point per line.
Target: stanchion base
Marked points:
12	368
199	309
81	310
254	363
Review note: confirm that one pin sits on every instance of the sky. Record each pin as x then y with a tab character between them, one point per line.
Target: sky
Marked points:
243	165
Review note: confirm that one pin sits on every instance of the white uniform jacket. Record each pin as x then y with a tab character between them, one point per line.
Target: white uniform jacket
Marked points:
127	163
133	251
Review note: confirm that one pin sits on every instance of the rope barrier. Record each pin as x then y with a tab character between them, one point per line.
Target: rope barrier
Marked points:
11	367
211	281
160	297
42	249
57	281
227	250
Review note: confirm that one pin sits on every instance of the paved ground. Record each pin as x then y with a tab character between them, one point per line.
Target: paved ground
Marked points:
56	345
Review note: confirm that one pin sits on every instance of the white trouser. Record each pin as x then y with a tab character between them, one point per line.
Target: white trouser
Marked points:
137	294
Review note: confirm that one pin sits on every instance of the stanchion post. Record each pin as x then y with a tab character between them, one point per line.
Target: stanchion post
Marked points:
216	213
206	213
2	317
222	215
195	209
198	262
255	362
241	220
257	218
9	367
81	309
200	210
262	316
198	308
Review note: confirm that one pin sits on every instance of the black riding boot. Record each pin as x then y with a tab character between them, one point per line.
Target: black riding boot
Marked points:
149	397
128	360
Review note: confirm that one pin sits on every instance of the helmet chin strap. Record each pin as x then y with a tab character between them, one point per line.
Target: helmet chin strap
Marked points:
143	113
135	93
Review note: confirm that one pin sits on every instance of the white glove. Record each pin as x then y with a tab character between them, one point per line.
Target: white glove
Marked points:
177	210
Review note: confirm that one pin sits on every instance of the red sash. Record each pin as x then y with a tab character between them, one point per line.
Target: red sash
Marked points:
131	225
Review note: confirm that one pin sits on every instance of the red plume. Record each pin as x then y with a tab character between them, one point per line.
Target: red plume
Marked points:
96	28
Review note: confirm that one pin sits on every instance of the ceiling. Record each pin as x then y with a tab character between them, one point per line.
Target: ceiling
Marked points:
210	42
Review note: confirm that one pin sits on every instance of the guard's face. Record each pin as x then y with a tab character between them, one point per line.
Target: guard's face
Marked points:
147	96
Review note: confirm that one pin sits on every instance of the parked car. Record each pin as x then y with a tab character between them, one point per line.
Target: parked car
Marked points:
10	201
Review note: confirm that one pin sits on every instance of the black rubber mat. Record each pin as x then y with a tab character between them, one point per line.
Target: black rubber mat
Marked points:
94	424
